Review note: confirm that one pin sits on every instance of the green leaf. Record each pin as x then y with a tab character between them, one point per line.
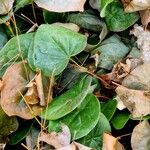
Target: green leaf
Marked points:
120	119
3	38
109	108
116	19
104	4
21	133
6	17
86	20
7	125
94	138
22	3
84	118
54	45
52	17
67	102
111	51
10	52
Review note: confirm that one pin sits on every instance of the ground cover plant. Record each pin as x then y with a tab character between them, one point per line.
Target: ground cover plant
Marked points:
74	74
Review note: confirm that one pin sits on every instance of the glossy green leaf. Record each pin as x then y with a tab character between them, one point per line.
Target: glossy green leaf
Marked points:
103	6
11	53
67	102
22	3
120	119
87	21
7	125
95	138
109	108
54	45
118	20
111	51
84	118
20	134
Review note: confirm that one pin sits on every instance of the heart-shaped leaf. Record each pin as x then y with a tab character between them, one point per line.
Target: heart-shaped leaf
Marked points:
68	101
95	138
54	45
84	118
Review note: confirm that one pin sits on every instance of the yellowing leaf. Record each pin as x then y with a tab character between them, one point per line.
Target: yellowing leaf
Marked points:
61	5
111	143
137	101
140	139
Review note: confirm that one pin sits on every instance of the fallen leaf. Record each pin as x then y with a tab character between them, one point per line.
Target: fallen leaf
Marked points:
57	140
111	143
137	101
143	40
140	139
139	78
40	89
61	5
136	5
2	146
1	84
14	84
5	6
145	17
75	146
31	95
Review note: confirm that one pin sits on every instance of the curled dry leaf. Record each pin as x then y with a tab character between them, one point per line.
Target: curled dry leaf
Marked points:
14	87
57	140
75	146
140	139
61	5
136	5
145	17
5	6
143	40
111	143
137	101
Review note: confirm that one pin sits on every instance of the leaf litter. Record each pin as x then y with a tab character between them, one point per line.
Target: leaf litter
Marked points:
82	70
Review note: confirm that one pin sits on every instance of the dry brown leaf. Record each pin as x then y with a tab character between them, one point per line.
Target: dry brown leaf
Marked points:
137	101
143	42
1	84
145	17
75	146
14	84
31	96
136	5
39	85
140	139
57	140
5	6
61	5
111	143
139	78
